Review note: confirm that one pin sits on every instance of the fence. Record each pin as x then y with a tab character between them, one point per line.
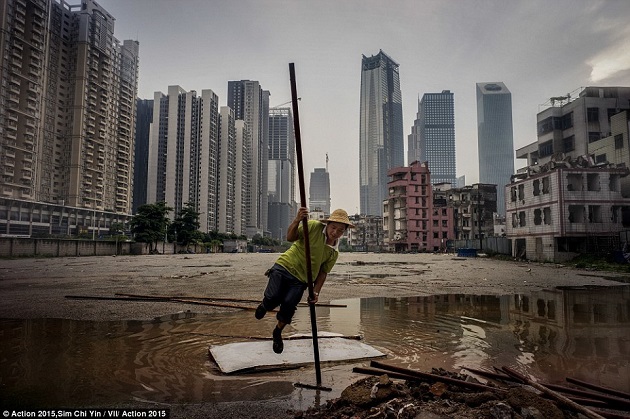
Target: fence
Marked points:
501	245
22	247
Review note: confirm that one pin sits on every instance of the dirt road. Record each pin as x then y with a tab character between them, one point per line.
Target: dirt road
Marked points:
36	288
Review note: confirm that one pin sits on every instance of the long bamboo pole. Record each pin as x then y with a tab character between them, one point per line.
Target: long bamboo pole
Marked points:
307	246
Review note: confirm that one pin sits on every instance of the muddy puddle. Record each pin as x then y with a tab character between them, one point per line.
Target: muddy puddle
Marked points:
582	333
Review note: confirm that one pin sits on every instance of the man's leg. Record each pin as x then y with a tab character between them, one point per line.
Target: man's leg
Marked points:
273	293
295	289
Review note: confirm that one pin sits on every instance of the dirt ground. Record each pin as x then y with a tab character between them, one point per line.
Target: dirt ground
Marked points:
37	288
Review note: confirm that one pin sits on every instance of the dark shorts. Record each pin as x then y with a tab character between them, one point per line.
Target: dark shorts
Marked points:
284	290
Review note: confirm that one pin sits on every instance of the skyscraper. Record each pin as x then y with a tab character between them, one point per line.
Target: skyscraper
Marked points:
495	137
144	112
281	176
183	152
432	136
381	143
319	191
68	106
251	104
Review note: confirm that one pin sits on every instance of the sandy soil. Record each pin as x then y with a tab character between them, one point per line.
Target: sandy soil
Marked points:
37	288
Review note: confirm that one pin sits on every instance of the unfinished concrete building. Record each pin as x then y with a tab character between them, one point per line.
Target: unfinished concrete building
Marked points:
565	208
367	236
574	126
474	209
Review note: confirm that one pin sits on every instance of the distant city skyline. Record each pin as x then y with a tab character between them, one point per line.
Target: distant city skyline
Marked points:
565	44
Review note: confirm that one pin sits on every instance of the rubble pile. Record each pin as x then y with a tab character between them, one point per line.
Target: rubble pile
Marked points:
380	397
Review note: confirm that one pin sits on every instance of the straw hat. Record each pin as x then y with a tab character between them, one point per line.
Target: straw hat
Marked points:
339	216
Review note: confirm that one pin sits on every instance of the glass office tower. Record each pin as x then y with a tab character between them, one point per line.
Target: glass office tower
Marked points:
432	137
381	143
495	137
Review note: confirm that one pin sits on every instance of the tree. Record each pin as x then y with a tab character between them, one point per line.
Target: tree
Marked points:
116	229
150	224
185	227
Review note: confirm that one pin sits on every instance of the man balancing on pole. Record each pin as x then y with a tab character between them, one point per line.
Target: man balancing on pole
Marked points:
288	276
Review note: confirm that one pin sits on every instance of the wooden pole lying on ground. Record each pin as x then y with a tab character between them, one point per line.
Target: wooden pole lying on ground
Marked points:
433	377
242	300
589	397
161	300
307	246
601	389
578	408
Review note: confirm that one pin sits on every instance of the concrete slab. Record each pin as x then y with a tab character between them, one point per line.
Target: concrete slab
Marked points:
259	356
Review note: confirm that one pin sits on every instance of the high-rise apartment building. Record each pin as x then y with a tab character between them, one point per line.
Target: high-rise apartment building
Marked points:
495	137
432	136
281	167
226	191
240	177
251	104
381	143
319	191
68	107
144	117
183	152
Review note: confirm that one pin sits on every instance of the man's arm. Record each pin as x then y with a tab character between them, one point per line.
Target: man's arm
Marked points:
292	231
317	286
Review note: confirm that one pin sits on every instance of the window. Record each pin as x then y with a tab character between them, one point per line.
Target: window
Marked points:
567	121
513	194
547	216
593	136
618	141
536	185
521	219
537	216
592	181
545	185
521	192
594	214
576	214
611	112
545	149
592	114
568	144
614	182
601	158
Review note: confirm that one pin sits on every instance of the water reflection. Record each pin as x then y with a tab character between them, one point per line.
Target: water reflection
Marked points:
552	334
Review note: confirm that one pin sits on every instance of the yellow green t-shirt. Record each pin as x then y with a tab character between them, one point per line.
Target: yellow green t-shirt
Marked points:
323	257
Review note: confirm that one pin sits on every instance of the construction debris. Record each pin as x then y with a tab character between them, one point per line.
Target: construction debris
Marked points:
442	394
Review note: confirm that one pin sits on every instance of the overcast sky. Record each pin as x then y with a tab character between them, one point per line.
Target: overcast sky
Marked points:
539	49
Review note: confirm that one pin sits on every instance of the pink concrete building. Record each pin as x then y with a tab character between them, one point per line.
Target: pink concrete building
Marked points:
411	221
